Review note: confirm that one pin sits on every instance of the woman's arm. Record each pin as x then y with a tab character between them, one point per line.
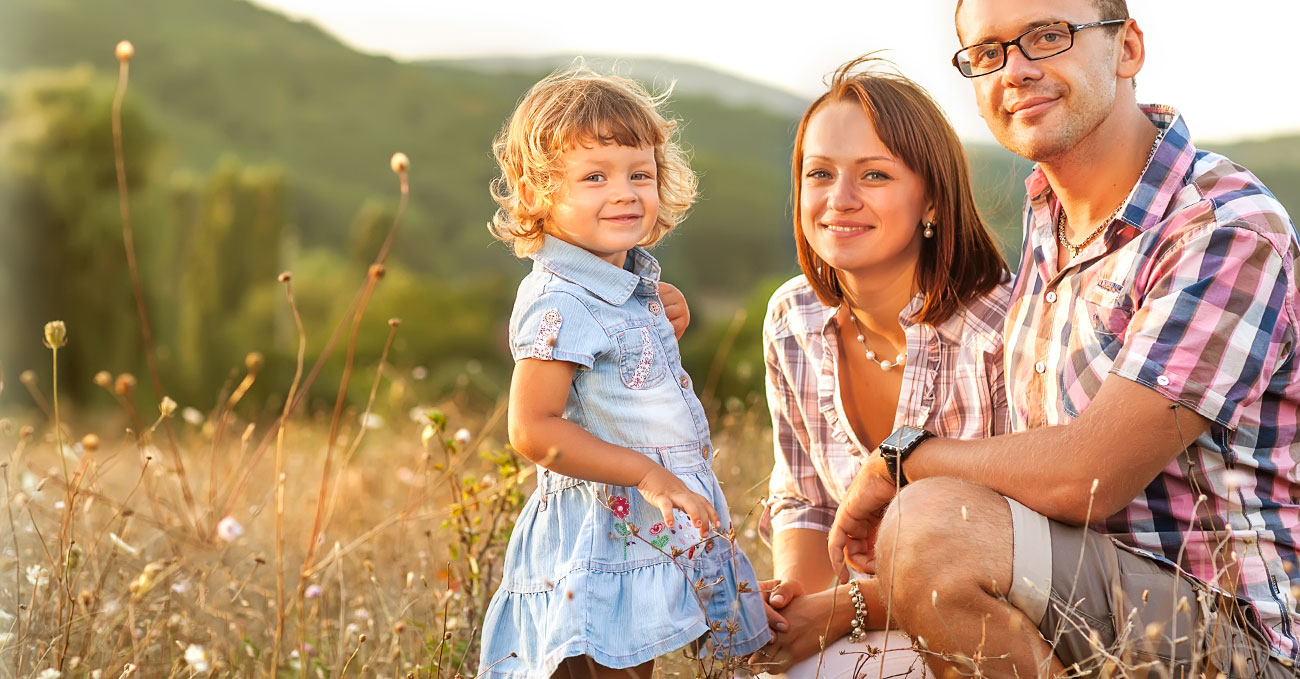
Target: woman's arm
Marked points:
538	392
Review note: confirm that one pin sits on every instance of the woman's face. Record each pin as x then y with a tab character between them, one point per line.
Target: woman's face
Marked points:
860	207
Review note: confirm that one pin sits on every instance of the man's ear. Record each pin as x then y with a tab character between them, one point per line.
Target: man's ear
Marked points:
1133	51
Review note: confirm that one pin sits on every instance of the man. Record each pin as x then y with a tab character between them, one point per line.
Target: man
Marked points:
1152	378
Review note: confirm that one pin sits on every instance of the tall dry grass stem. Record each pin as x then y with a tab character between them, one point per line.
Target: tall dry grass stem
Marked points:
125	51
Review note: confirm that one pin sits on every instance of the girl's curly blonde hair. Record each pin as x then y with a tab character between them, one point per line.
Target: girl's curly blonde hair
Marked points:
571	107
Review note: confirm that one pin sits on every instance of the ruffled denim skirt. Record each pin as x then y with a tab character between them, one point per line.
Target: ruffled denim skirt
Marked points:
593	570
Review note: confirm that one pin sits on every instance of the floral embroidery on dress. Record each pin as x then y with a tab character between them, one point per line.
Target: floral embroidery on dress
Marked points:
642	372
547	333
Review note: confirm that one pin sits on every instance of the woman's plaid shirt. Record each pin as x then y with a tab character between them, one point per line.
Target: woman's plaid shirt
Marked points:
1192	293
952	386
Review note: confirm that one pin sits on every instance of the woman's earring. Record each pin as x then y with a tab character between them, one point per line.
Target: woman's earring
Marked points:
929	230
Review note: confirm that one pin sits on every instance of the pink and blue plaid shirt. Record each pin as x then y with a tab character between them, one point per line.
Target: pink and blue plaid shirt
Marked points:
1190	292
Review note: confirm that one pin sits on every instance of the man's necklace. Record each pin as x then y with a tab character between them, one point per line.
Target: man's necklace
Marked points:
1060	220
871	355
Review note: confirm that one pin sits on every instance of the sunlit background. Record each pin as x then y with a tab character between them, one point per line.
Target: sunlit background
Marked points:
257	139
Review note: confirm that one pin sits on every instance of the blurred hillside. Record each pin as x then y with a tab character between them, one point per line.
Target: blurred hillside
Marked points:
256	144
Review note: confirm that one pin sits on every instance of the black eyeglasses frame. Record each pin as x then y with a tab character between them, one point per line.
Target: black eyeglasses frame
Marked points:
1005	45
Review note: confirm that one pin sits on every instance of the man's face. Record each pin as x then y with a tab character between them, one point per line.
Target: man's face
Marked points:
1044	108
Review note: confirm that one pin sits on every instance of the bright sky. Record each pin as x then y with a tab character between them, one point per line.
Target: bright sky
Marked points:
1230	67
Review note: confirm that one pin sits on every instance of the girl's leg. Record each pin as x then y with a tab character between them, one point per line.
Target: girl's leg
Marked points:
583	667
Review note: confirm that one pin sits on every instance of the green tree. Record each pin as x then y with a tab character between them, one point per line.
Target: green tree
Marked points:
63	256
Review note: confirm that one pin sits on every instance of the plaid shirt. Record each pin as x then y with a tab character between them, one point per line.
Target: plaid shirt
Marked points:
952	385
1192	293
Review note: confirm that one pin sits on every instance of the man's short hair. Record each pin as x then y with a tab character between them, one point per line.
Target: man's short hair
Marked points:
1107	9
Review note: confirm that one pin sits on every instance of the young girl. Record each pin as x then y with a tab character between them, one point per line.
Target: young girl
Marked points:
621	554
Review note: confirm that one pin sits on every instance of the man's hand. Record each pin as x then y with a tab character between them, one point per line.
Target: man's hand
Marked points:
853	535
675	309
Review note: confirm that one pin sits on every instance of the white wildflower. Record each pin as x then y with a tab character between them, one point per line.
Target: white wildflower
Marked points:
462	437
419	372
1235	479
38	575
228	529
49	673
313	591
197	658
372	421
192	415
167	406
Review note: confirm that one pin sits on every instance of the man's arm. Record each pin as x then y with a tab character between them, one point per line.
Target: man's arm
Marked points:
1121	442
1076	473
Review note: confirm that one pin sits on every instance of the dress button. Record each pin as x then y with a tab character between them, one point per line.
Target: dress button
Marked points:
1051	296
704	452
656	307
1162	381
1040	367
686	382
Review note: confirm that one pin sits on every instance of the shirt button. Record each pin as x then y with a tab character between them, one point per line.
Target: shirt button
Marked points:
1051	296
686	382
1040	367
656	307
1162	381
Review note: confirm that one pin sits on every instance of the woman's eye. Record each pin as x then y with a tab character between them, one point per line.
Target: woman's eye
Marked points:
819	174
875	175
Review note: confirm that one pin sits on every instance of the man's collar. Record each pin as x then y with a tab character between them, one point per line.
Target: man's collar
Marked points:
1173	158
599	277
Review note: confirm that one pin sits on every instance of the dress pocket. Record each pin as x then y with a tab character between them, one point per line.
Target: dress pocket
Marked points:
641	358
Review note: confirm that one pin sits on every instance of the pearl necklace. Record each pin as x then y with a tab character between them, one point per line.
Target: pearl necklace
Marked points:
1060	220
871	355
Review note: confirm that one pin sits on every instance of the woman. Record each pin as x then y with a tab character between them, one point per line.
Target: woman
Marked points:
896	320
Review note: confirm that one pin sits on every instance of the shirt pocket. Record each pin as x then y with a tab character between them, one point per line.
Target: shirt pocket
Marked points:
640	358
1108	310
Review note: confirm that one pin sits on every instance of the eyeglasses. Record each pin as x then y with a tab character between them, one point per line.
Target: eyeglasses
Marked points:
1035	43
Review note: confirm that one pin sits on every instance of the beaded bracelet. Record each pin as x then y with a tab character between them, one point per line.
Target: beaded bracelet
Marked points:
859	613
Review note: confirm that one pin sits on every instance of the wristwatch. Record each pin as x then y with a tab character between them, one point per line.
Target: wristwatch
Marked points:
897	446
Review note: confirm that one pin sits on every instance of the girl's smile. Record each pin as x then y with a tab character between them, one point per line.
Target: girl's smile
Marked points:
610	199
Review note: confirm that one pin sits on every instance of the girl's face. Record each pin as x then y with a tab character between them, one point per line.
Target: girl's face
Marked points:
860	207
609	201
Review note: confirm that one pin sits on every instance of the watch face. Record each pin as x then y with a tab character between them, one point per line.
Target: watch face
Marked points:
904	438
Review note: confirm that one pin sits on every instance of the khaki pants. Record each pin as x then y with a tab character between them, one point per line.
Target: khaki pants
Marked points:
1108	610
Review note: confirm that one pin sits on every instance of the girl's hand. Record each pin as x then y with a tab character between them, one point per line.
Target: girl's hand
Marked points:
664	490
675	309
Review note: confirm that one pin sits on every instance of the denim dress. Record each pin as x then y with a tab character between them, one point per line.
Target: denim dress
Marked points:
591	569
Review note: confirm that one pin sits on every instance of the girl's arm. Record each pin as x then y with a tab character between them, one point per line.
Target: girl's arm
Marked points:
538	392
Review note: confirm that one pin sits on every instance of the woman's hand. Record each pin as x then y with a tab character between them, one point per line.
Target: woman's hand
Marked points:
805	617
664	490
776	594
675	309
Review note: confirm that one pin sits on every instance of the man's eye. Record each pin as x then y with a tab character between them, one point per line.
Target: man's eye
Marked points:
988	55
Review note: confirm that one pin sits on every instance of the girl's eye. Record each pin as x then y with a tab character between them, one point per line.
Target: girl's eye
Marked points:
594	177
642	176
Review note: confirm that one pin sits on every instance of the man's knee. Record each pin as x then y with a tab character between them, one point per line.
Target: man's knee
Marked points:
943	529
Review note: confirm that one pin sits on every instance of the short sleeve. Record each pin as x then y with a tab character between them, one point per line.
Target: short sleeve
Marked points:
556	326
1214	325
797	496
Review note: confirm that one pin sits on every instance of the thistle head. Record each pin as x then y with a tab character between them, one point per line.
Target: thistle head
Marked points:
56	334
